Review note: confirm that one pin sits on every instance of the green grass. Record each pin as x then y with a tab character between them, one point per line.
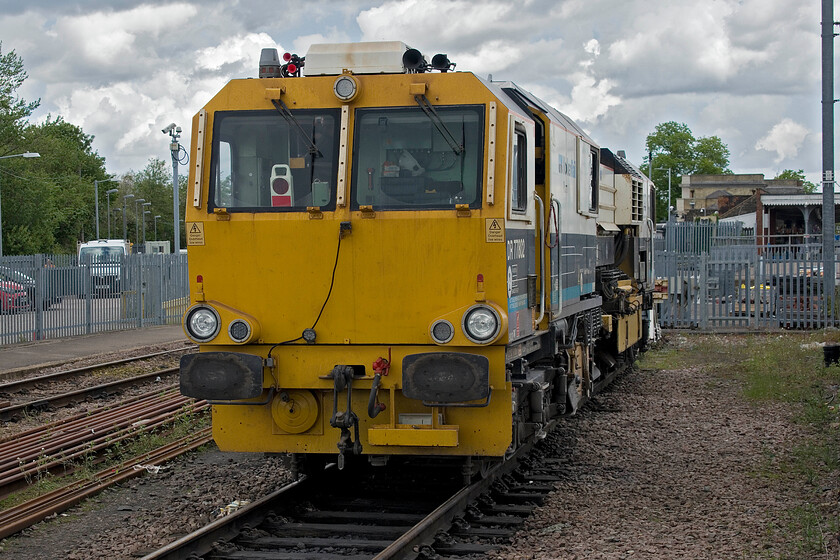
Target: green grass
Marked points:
780	369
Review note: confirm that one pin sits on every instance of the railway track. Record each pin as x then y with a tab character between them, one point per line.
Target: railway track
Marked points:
74	447
399	511
14	403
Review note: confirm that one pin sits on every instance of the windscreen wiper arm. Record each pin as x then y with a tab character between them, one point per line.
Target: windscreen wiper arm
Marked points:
424	104
290	118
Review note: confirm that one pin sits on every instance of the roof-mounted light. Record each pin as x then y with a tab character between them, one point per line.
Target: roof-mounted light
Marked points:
269	64
346	87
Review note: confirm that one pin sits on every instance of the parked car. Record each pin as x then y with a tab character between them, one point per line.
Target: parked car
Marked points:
13	297
48	297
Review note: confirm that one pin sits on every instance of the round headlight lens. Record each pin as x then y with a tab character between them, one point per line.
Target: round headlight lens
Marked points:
345	88
481	324
202	324
442	331
239	330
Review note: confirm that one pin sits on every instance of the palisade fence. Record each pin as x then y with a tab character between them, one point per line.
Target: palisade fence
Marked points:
52	296
722	276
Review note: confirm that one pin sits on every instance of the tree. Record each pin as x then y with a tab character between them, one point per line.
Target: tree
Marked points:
154	184
13	110
808	186
55	200
674	147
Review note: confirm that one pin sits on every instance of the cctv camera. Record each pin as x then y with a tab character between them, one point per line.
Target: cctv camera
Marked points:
169	128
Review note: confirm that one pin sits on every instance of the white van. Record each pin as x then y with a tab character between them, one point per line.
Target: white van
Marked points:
104	257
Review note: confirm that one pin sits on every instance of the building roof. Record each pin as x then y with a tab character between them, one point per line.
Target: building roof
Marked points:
791	199
747	206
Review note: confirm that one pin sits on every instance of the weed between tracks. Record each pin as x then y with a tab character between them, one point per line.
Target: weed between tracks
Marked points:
785	369
87	467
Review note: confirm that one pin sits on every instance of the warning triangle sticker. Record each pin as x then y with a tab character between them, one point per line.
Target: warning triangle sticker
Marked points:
495	225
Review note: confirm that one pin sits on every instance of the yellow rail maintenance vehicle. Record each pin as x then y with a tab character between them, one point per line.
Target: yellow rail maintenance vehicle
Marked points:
391	258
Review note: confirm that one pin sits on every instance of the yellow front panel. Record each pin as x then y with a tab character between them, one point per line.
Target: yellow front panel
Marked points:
464	431
395	273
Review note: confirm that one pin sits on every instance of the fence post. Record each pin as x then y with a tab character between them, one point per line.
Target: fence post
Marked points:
40	299
88	292
140	283
704	291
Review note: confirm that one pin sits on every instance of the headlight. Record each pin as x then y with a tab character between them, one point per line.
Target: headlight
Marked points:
239	330
345	87
481	324
202	323
442	331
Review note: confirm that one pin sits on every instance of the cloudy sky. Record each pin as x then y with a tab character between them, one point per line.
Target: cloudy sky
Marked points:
747	71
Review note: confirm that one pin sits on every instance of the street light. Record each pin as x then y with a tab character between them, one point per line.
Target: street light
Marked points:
96	200
174	133
669	188
144	226
136	222
24	155
108	196
156	219
125	201
139	215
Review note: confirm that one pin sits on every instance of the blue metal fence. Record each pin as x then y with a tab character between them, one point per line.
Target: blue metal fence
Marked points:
52	296
713	277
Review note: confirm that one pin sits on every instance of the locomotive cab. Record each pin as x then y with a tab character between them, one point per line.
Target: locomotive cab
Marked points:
390	260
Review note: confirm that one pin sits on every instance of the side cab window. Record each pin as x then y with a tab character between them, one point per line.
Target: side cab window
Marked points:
589	162
521	169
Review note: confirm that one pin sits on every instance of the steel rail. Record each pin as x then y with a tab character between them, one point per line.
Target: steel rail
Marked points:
28	513
12	479
101	418
36	431
76	396
424	532
225	528
23	371
57	457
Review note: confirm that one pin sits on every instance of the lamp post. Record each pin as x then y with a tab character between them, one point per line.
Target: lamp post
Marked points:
174	133
137	201
139	213
144	227
108	194
156	219
668	169
96	200
24	155
125	201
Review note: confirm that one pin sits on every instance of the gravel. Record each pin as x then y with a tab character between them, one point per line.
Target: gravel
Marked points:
140	516
666	465
663	465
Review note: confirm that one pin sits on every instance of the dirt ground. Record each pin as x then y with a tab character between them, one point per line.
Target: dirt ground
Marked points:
677	464
668	463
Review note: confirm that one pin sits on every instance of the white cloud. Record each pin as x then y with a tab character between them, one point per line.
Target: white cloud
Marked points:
110	37
785	138
591	99
238	49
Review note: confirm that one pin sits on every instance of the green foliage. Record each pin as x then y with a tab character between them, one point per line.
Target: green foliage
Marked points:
798	176
675	147
13	110
48	202
154	184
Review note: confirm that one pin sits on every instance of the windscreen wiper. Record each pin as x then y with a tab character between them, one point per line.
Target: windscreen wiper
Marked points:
290	118
424	104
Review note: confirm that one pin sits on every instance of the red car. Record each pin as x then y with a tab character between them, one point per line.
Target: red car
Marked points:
13	297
